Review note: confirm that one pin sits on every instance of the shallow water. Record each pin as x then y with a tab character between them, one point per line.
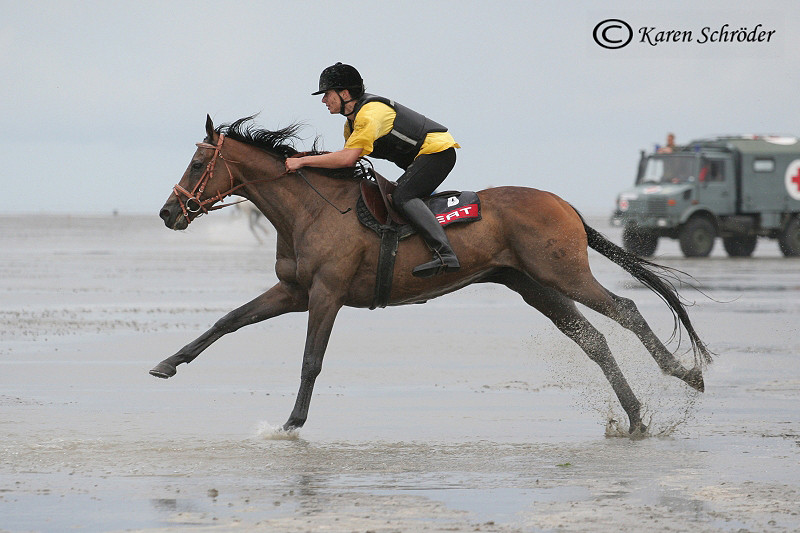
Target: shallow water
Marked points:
468	413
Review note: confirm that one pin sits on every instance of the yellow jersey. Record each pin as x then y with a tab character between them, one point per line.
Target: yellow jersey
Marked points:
376	119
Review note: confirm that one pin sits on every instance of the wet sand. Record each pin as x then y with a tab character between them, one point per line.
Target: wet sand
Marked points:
469	413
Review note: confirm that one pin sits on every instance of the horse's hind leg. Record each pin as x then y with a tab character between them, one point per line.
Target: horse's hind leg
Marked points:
565	315
574	279
629	317
624	311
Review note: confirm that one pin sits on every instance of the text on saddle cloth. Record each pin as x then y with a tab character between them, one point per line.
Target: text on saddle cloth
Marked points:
453	206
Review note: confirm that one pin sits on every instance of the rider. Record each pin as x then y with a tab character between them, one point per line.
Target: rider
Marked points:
384	129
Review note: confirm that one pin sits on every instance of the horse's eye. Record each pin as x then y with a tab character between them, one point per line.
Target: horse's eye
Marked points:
197	165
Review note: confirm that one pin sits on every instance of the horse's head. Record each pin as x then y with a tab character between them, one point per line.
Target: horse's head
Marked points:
207	180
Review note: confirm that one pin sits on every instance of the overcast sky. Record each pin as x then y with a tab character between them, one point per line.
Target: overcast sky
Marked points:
102	102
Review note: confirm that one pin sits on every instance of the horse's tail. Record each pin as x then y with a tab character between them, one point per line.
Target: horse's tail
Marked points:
657	278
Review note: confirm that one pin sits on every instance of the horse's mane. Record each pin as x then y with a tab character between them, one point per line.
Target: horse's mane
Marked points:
279	142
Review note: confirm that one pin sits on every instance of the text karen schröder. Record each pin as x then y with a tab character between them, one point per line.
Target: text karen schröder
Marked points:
721	34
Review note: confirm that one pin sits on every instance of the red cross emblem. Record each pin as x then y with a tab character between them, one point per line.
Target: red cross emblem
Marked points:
792	179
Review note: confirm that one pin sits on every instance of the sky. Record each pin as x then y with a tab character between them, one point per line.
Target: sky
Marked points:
102	102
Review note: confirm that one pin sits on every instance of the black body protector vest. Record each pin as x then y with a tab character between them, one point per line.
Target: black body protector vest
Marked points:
402	144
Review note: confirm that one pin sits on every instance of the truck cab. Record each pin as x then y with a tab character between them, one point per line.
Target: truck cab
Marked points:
736	188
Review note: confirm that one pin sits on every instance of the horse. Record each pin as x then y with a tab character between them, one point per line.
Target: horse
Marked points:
531	241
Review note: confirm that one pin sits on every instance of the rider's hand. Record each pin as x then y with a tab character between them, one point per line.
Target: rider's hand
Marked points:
293	163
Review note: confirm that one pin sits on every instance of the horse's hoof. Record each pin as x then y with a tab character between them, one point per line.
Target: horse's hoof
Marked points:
694	378
293	424
164	370
637	431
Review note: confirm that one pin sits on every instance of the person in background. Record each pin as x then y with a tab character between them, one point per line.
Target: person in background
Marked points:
670	146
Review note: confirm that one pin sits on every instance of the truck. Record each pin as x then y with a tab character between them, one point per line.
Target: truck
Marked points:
737	188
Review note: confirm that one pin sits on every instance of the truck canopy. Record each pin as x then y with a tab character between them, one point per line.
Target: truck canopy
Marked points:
768	174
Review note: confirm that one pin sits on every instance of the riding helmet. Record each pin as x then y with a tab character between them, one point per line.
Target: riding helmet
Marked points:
340	76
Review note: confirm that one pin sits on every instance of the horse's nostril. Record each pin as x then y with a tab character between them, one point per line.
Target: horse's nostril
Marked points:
164	214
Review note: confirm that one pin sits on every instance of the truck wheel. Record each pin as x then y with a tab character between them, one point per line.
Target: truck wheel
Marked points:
740	245
789	239
697	237
639	242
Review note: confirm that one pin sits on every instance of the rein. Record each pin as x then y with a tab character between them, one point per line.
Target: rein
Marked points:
193	204
321	195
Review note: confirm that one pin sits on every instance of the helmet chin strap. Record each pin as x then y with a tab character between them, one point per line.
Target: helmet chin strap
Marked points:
343	103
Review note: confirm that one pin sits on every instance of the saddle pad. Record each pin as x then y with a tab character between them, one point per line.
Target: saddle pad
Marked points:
454	206
449	207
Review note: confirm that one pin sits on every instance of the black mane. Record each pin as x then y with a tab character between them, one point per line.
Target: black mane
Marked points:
279	142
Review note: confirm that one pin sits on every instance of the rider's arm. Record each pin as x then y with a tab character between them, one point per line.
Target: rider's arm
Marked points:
374	120
340	159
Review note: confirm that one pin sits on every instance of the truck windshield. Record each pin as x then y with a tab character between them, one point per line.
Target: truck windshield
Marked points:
669	169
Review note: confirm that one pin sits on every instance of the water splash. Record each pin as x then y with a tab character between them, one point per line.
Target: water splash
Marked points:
617	429
267	431
684	413
665	426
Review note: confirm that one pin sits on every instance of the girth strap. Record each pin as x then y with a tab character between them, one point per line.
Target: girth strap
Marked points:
390	240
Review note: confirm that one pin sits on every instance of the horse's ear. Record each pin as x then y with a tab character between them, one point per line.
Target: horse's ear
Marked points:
209	127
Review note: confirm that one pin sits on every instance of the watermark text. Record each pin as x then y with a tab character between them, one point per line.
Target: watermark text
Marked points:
616	33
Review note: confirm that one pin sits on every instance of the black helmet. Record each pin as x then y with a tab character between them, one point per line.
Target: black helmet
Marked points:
340	76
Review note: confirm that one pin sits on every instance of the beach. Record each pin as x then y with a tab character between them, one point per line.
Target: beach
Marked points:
469	413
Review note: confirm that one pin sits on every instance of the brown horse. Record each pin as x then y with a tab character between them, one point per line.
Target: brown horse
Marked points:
531	241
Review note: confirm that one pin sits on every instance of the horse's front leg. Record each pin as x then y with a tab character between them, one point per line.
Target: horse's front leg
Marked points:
280	299
323	307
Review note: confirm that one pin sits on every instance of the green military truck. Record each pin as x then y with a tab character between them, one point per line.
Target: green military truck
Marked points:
736	188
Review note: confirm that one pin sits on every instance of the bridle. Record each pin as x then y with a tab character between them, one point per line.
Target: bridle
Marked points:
192	202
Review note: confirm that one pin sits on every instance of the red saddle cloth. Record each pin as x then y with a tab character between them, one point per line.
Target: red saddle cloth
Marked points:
448	207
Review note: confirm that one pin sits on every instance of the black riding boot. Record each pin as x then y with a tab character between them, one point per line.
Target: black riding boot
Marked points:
444	259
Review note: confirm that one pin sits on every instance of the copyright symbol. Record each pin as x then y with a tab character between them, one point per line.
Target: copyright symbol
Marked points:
613	33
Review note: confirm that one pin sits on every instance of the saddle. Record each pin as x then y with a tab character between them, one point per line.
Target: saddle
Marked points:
376	211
